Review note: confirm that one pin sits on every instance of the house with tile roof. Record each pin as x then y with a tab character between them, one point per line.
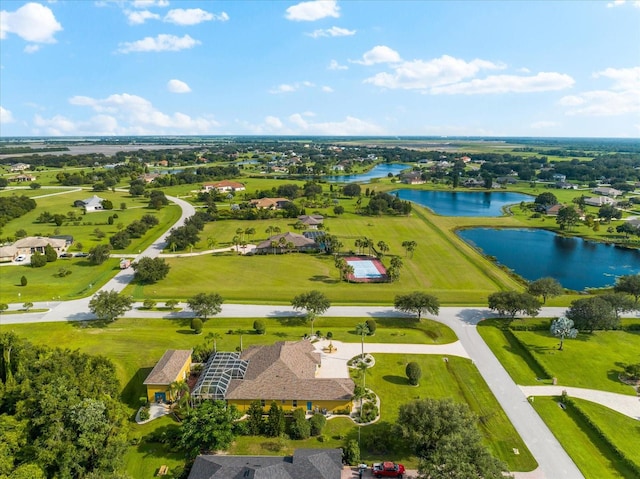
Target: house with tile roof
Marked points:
285	372
31	244
174	365
278	244
269	203
311	221
303	464
224	186
90	204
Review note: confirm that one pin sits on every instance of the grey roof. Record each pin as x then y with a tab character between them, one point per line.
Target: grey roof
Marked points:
39	242
311	219
8	250
167	369
304	464
299	241
93	201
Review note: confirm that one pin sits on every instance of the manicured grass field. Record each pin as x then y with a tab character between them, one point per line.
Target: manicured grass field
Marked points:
589	361
592	455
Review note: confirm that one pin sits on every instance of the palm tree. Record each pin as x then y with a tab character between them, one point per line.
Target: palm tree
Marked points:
236	242
211	242
276	229
213	337
274	245
250	232
240	232
383	247
363	330
358	244
269	230
348	272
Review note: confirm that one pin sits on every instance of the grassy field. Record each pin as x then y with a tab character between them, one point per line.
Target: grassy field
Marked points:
593	456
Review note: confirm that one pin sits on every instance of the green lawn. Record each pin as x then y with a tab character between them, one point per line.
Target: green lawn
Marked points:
592	455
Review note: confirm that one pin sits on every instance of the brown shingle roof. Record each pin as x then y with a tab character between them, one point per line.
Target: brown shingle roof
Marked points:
286	371
169	366
39	242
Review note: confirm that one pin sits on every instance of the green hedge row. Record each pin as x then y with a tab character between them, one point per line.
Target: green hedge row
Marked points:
625	459
529	358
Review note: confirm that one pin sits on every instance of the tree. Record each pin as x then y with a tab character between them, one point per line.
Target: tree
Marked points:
413	372
627	229
546	199
629	284
196	325
157	199
27	306
351	454
382	248
23	280
371	323
50	253
108	305
314	303
300	427
149	303
417	303
545	287
362	330
205	304
317	423
512	302
171	304
338	210
444	436
255	422
38	260
620	303
3	307
275	421
99	254
567	217
209	427
609	212
563	328
409	247
352	189
589	314
259	326
150	270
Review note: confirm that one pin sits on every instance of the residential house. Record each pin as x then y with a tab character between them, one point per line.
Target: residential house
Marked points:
465	159
607	191
174	365
304	464
599	201
20	166
162	163
269	203
224	186
90	205
8	253
281	243
149	177
311	221
23	178
563	185
553	210
413	178
31	244
284	372
559	177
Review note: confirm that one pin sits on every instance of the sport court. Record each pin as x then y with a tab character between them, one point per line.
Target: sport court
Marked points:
366	270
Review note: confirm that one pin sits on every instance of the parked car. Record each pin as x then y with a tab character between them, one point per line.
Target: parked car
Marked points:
66	255
82	255
387	469
21	257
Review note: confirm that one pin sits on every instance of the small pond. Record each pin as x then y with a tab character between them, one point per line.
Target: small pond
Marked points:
464	203
576	263
379	171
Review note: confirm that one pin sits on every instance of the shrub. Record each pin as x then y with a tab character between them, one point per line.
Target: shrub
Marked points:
317	423
110	220
351	454
123	206
171	304
259	326
371	324
414	373
368	412
329	335
149	304
38	260
50	253
144	414
196	325
300	427
23	281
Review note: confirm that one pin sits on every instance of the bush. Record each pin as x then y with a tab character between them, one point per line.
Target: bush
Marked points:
196	325
110	220
149	304
171	304
144	414
371	323
23	281
38	260
259	326
368	412
50	254
329	335
351	454
300	427
414	373
120	240
317	423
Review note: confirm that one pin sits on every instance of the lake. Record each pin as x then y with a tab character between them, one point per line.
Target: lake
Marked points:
576	263
458	203
379	171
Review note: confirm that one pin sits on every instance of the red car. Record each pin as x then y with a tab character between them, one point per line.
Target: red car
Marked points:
387	469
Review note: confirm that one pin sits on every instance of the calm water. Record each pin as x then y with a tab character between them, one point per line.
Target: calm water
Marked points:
457	203
577	264
380	171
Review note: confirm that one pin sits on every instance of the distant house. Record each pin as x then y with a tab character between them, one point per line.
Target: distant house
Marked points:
559	177
8	253
465	159
311	221
174	365
20	166
563	185
23	178
224	186
149	177
282	242
607	191
269	203
284	372
413	178
304	464
553	210
31	244
599	201
90	204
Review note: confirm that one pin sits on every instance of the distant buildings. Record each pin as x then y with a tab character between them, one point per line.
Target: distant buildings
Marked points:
224	186
90	204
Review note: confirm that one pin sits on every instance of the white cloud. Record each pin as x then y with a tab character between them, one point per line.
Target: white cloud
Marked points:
273	122
31	22
423	75
622	98
349	126
291	87
5	116
31	48
314	10
161	43
543	81
139	17
192	16
332	32
334	65
618	3
150	3
178	86
538	125
122	114
327	89
379	54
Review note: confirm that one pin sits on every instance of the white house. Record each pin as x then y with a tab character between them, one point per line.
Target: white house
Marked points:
91	204
607	191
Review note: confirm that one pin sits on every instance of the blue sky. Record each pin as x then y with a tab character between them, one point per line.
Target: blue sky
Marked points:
477	68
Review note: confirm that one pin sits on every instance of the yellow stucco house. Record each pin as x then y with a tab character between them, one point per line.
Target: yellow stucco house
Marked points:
284	372
175	365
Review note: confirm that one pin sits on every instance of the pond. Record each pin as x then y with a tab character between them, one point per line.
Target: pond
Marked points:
576	263
464	203
379	171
